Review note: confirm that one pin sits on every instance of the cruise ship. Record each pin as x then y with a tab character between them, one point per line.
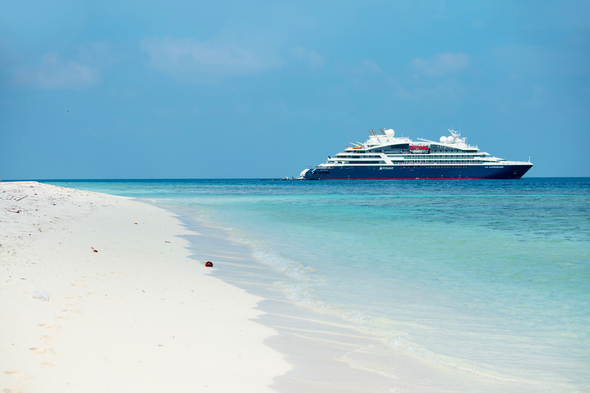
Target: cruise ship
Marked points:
387	157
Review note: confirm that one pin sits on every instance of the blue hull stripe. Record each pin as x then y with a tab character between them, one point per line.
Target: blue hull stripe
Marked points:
416	173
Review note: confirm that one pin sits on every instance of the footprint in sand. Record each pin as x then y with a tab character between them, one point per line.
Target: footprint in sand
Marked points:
48	326
48	365
71	311
12	391
48	339
78	285
15	375
42	351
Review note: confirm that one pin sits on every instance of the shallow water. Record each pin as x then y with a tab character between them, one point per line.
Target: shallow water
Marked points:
487	275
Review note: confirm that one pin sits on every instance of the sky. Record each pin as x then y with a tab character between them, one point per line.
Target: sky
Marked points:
258	89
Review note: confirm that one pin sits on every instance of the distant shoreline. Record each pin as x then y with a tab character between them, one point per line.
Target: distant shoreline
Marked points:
525	177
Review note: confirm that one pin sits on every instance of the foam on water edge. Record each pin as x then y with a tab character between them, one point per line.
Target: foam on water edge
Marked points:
373	359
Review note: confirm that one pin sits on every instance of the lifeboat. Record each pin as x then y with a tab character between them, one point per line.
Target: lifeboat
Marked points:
419	149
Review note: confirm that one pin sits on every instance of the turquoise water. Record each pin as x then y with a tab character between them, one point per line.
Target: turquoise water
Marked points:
493	276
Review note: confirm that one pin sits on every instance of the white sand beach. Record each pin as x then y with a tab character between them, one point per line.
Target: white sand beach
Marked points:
102	293
98	294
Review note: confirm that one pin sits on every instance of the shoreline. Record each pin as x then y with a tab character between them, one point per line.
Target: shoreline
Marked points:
329	353
321	351
120	304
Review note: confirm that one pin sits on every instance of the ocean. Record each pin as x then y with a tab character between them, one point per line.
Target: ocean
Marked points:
488	276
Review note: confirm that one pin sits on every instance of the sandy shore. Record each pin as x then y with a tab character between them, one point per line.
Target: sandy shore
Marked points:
98	294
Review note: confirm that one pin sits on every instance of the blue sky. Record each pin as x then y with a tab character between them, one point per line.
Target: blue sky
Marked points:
212	89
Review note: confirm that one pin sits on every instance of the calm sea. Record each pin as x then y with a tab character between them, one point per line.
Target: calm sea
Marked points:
489	275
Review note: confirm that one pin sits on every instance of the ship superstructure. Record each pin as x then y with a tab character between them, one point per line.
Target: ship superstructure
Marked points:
387	157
